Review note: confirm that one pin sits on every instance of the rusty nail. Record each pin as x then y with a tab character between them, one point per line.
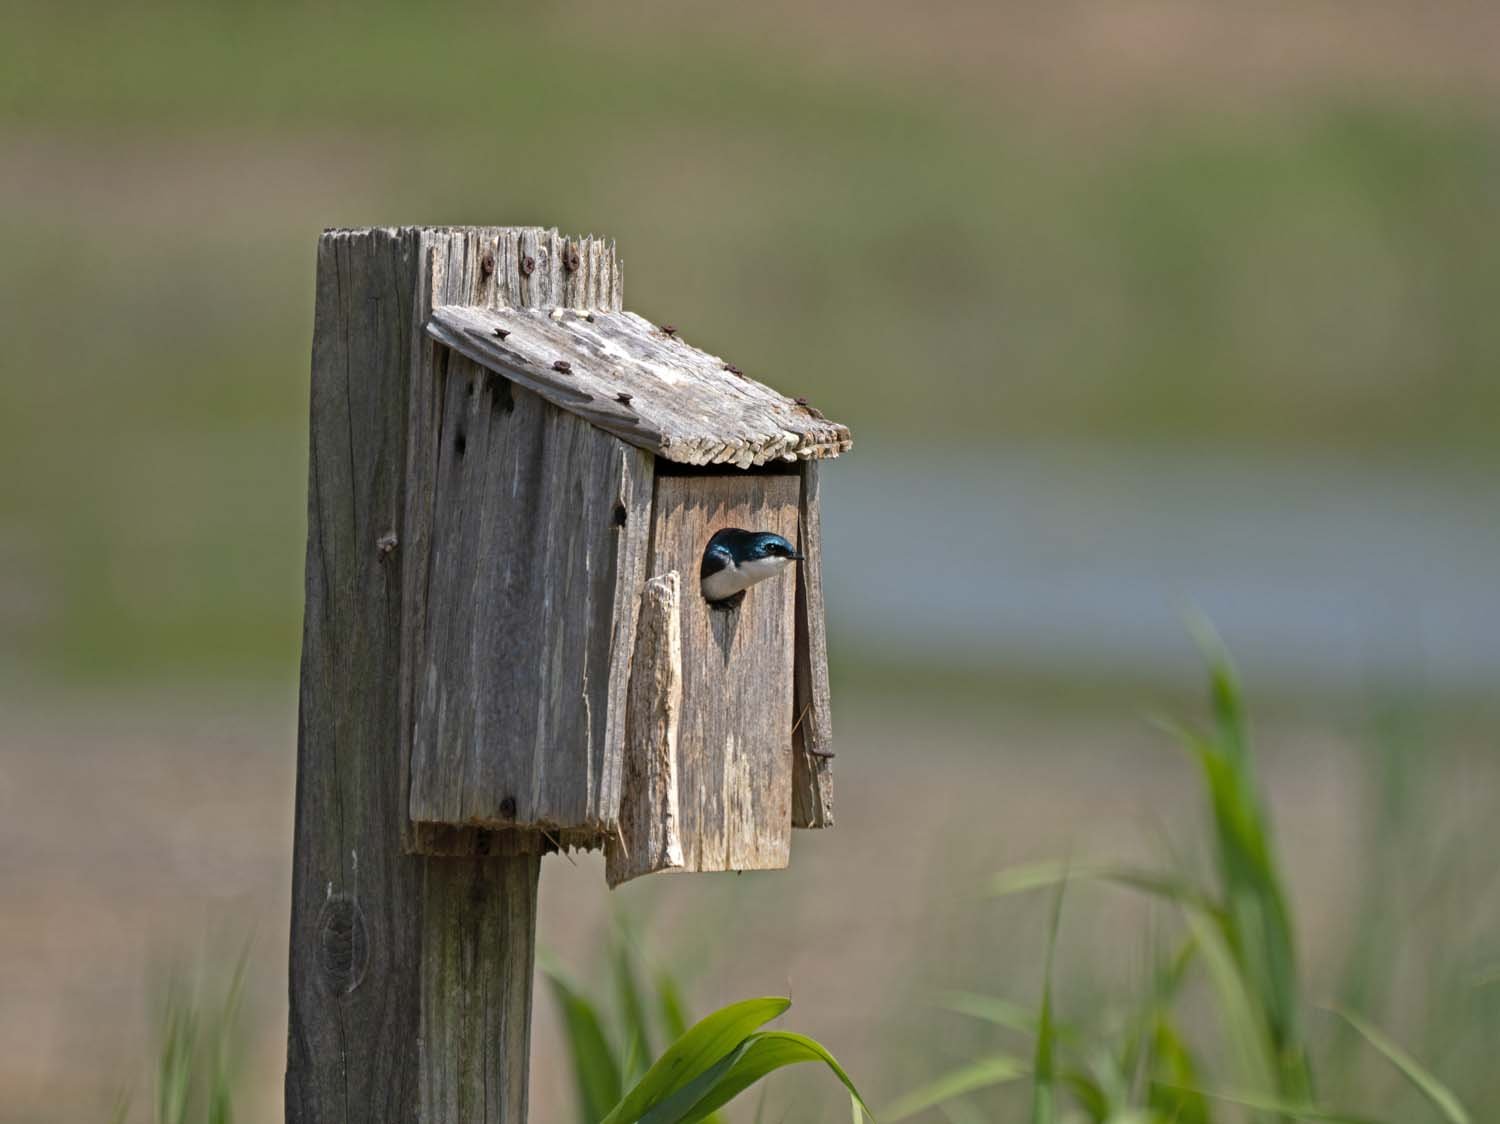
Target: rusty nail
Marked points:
590	317
732	369
487	264
800	400
669	329
528	266
623	397
563	366
501	333
570	260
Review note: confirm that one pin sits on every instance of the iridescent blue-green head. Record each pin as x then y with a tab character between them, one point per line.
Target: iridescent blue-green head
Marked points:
736	559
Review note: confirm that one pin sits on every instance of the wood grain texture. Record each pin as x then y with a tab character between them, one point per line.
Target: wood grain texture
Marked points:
734	736
478	949
484	266
812	737
364	912
648	840
537	554
678	402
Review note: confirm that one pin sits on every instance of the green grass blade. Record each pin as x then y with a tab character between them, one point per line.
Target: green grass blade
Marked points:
1040	876
1442	1098
1289	1109
1241	1018
632	1008
990	1009
695	1051
1043	1075
596	1070
970	1078
669	1004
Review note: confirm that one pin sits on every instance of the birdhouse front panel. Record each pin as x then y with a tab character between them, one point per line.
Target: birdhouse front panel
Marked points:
734	755
536	560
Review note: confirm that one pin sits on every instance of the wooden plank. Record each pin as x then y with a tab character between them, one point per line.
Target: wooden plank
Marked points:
363	911
734	736
648	839
812	726
537	557
627	376
479	265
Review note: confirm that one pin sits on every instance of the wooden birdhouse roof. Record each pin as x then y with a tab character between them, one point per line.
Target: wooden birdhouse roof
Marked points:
642	383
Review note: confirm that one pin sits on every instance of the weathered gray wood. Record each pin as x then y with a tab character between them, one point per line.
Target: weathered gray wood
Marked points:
734	736
479	266
537	556
648	839
627	376
365	914
478	948
812	738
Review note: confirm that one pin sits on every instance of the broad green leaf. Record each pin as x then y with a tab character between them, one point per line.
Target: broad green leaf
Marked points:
1433	1089
757	1056
596	1071
705	1044
965	1079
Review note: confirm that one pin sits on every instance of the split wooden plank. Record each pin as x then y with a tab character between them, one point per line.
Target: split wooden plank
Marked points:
648	839
630	378
734	736
812	740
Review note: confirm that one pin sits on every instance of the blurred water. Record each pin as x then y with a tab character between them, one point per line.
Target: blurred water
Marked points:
1082	560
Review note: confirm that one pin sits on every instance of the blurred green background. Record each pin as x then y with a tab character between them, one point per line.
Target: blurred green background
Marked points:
984	236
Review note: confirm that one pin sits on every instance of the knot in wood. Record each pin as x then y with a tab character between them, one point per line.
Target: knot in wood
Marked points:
386	544
343	950
487	264
563	366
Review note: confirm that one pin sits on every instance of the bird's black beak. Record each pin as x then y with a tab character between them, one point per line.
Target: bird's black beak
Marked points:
795	557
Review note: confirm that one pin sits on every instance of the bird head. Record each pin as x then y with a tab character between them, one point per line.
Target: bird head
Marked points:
736	559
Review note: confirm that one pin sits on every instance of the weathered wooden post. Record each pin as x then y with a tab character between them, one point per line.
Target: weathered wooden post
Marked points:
505	649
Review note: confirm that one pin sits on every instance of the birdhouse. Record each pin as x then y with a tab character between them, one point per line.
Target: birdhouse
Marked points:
568	464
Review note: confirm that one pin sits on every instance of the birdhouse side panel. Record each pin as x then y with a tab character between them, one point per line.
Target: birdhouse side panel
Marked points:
734	758
537	553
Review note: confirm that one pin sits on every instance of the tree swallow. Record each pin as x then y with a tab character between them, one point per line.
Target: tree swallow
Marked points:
735	560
